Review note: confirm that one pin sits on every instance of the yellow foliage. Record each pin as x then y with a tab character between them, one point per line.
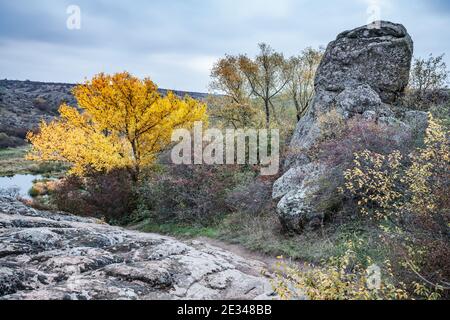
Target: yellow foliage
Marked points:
122	122
429	162
336	279
385	188
373	179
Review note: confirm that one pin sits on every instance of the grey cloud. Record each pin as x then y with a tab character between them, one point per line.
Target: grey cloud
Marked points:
175	42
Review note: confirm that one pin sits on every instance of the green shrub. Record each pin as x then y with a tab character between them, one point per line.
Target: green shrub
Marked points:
189	194
108	195
49	168
33	192
10	142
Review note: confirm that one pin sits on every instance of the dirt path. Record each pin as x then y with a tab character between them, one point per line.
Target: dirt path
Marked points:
268	260
239	250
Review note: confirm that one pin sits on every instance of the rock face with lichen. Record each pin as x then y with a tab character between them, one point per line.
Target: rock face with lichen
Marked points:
48	256
363	73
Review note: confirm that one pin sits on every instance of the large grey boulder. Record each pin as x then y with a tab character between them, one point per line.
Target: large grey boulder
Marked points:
53	256
363	69
380	57
363	72
297	189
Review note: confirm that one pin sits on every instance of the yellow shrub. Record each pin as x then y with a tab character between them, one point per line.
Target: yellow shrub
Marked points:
385	188
374	180
429	172
339	278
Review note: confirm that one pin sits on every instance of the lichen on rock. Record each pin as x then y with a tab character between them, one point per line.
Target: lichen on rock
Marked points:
52	256
363	73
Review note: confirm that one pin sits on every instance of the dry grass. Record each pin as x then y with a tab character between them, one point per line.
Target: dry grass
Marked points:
263	234
12	161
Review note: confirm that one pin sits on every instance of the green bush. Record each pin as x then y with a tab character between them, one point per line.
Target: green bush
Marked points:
33	192
10	142
108	195
190	194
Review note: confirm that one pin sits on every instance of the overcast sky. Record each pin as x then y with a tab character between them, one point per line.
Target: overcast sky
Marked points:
175	42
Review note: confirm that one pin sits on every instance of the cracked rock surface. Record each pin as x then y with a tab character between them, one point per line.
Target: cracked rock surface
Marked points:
362	75
46	255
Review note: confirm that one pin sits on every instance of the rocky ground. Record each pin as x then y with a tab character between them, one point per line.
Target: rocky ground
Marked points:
45	255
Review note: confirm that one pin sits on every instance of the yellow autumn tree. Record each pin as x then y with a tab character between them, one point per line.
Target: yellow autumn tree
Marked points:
121	122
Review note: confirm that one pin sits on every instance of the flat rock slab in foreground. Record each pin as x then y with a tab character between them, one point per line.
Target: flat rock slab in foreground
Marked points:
46	255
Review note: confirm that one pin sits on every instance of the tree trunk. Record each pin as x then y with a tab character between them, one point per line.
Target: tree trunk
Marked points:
266	104
297	107
135	172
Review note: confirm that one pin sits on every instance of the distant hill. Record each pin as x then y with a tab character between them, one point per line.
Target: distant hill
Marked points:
23	104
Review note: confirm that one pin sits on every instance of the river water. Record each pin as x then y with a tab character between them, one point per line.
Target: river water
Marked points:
20	182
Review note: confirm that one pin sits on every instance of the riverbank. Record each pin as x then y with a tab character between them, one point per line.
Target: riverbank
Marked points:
12	162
